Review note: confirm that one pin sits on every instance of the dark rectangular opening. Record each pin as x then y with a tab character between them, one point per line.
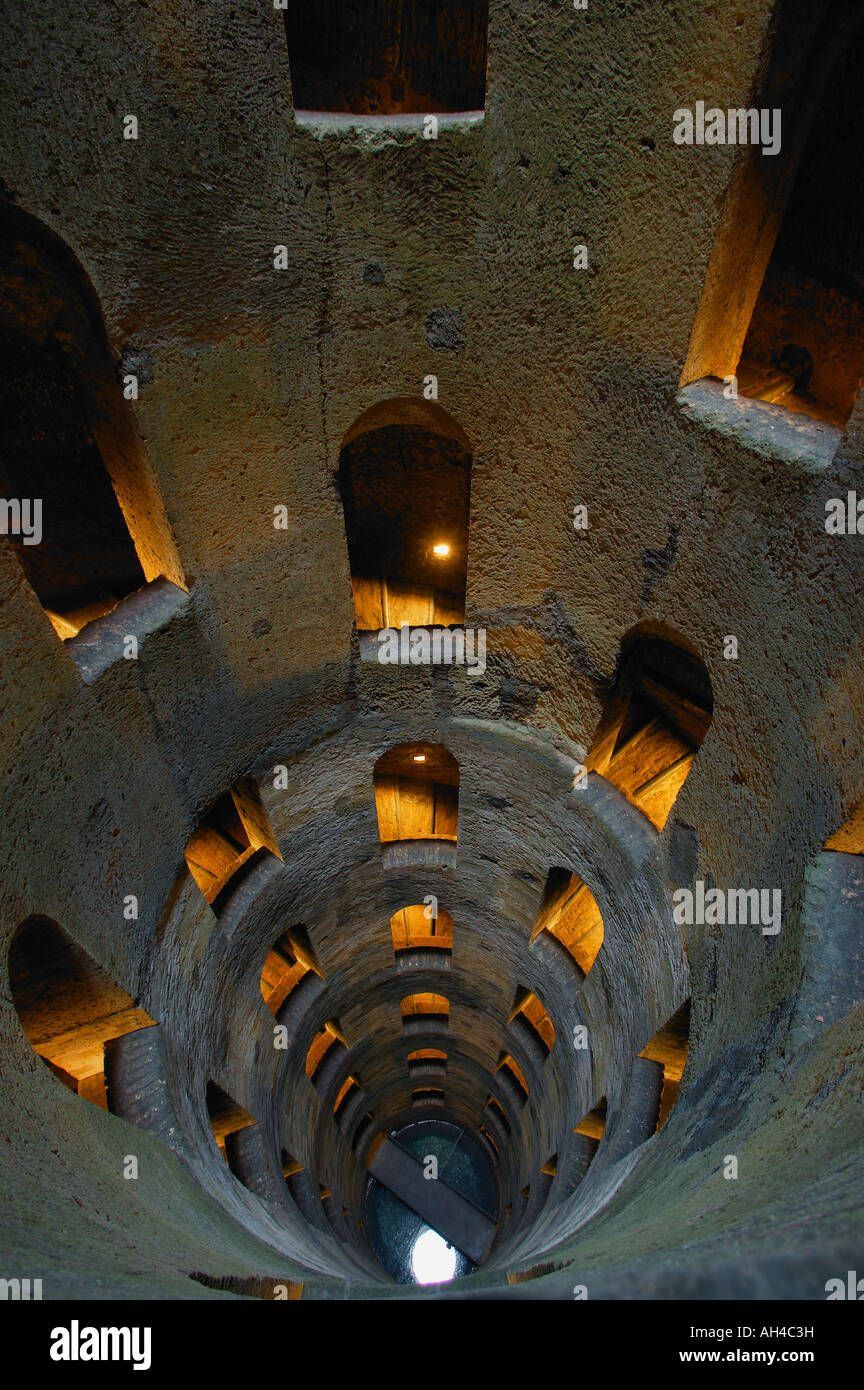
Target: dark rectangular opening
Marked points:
385	57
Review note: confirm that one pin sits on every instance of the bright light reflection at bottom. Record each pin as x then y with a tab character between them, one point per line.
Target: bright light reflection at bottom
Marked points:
433	1261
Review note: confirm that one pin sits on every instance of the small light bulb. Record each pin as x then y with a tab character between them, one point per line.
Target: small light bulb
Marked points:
441	549
419	757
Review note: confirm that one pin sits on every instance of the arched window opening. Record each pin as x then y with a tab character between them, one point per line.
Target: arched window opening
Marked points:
422	1011
323	1040
417	793
669	1047
593	1125
414	1004
405	482
427	1095
805	344
79	504
385	57
364	1134
286	964
654	724
570	914
231	833
493	1107
527	1006
226	1116
423	926
783	306
85	561
347	1091
427	1061
509	1067
350	1083
69	1007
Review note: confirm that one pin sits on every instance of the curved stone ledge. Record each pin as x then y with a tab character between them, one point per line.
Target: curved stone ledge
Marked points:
832	948
420	958
349	1111
511	1090
249	1161
556	958
419	1025
335	1061
294	1013
577	1161
136	1082
528	1042
634	1118
412	854
768	431
104	642
428	1066
245	892
365	1133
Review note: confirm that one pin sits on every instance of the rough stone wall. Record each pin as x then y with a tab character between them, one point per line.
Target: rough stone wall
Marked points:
565	383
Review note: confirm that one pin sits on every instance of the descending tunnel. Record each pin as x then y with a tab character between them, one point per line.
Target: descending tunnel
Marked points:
522	959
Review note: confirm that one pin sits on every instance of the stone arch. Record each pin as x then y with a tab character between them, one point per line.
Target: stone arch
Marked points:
417	793
569	912
71	440
68	1005
422	936
425	1012
290	959
783	304
233	834
405	481
655	720
530	1021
